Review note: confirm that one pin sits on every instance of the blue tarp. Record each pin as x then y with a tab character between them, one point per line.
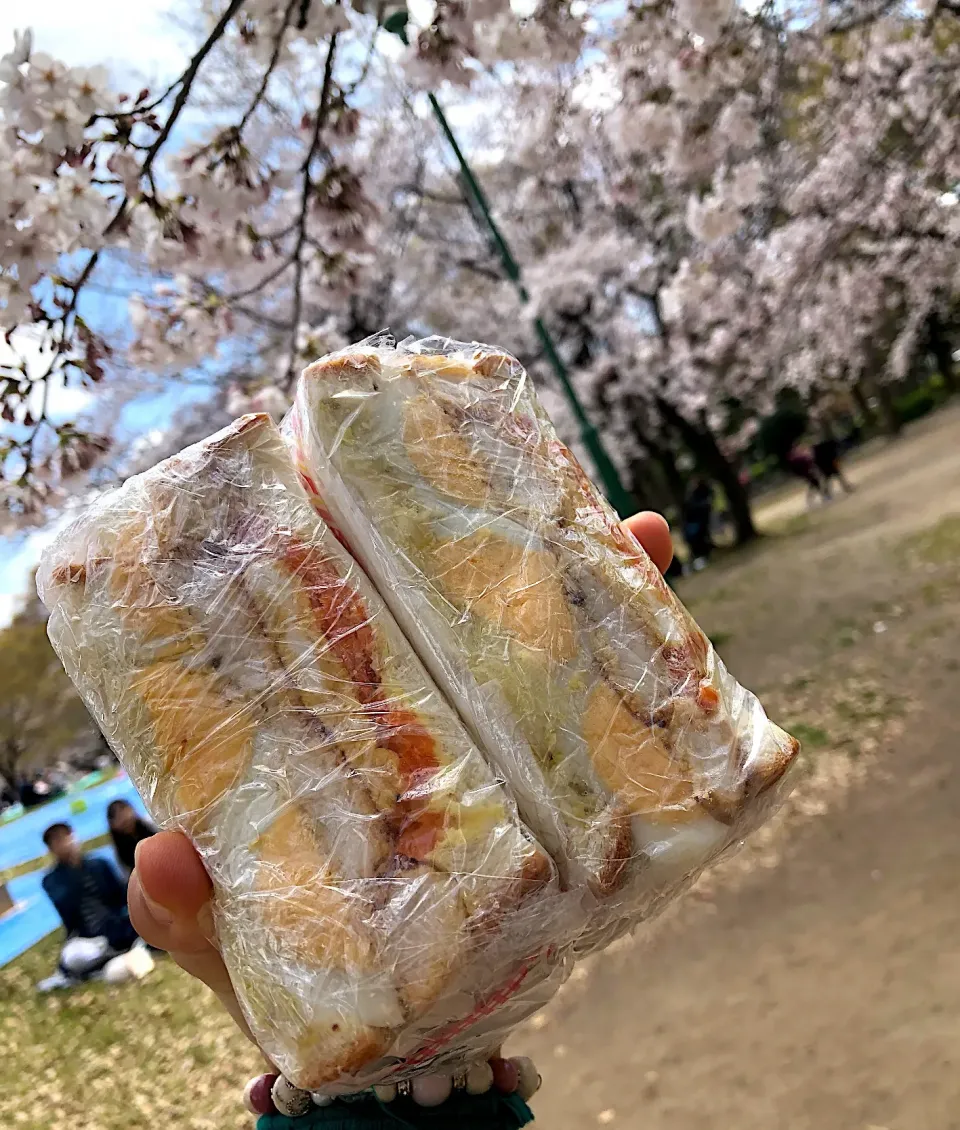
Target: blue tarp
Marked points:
33	916
86	812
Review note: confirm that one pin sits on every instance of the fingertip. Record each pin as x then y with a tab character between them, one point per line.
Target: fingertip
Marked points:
653	532
180	934
171	874
152	922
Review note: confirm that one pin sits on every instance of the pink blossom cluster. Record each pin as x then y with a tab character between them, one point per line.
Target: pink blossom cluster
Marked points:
711	202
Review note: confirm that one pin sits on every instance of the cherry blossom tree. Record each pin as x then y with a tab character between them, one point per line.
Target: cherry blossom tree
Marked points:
265	230
751	177
710	203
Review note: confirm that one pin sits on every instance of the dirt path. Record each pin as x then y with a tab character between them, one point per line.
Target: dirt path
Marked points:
824	992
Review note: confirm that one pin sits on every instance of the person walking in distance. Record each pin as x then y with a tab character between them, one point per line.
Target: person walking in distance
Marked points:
826	457
800	462
697	516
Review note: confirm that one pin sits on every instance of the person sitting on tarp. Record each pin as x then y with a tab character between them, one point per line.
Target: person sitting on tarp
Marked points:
91	899
127	829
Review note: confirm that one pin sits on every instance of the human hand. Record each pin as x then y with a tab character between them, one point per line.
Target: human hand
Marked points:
169	892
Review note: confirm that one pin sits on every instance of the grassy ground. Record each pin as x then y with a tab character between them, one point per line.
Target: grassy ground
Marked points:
156	1054
803	984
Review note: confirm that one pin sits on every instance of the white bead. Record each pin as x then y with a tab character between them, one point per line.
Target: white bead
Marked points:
321	1100
385	1092
528	1078
432	1090
290	1100
479	1079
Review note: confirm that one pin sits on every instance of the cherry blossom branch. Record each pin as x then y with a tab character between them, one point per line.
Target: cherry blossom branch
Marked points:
261	319
861	19
271	67
323	108
145	108
185	82
264	282
426	194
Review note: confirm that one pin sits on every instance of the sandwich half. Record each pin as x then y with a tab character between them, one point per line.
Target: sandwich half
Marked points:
634	756
367	862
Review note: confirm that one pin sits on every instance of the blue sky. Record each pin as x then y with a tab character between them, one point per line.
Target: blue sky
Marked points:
139	42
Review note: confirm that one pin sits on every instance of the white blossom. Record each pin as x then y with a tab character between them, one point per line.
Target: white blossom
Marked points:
89	89
238	402
705	18
642	128
22	47
51	77
270	400
737	124
746	184
63	127
712	218
125	166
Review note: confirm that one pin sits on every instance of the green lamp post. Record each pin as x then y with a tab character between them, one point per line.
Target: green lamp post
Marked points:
618	495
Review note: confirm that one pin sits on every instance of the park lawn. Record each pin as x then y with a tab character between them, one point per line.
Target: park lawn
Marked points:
153	1054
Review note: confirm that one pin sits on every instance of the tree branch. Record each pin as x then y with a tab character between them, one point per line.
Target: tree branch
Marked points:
371	48
271	66
261	283
862	18
323	108
481	269
185	82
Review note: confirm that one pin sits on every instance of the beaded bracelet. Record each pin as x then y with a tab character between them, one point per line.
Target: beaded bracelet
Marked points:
274	1094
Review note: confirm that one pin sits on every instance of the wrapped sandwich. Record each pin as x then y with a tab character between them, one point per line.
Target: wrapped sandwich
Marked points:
635	758
376	897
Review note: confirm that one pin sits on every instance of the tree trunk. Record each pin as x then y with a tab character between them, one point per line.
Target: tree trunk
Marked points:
889	416
863	403
942	353
705	449
671	473
663	457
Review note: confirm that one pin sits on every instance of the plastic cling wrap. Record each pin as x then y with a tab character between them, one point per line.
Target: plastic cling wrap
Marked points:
634	756
378	902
